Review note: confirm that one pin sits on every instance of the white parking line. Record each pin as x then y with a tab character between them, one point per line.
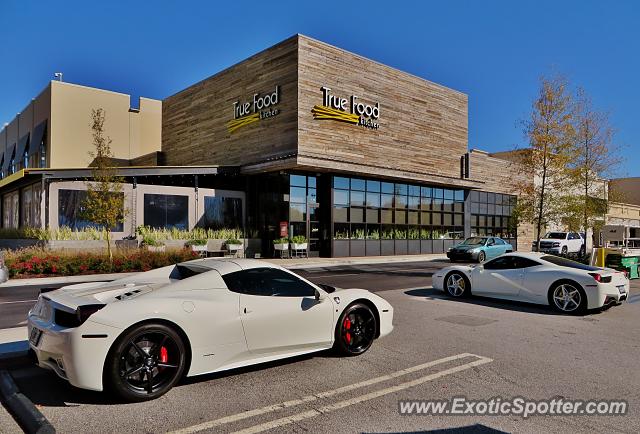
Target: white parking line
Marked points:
358	399
287	404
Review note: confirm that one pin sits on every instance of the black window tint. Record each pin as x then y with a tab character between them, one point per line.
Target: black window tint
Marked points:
501	263
267	282
564	262
519	262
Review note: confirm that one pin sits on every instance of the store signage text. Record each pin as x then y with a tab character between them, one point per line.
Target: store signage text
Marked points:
350	110
260	107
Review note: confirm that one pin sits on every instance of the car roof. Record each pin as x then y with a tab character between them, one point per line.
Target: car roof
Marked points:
228	265
530	255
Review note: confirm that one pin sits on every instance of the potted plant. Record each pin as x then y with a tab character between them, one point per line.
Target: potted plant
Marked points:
281	244
233	245
152	244
299	242
198	245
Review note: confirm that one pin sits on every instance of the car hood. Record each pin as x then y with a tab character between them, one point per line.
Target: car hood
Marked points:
466	247
73	296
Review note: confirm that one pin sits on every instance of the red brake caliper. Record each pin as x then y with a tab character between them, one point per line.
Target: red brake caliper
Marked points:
347	326
164	355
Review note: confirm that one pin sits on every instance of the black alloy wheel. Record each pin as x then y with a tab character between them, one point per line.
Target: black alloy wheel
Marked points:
564	251
145	363
481	257
356	330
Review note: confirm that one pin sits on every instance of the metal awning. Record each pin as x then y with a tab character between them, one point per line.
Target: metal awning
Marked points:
22	145
7	158
36	139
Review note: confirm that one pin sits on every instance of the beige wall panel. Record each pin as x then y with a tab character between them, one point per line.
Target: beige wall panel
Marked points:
423	126
626	190
194	129
150	124
71	135
25	120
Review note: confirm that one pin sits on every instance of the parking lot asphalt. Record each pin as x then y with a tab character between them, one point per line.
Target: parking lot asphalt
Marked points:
440	348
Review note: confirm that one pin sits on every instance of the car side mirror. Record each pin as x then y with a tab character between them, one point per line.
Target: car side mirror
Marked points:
319	295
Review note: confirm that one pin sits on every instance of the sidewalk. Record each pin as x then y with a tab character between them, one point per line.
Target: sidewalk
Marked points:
13	342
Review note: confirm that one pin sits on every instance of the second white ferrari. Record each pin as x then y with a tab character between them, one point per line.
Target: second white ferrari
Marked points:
566	285
138	336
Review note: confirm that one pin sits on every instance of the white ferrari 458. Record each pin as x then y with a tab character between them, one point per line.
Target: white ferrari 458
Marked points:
138	336
566	285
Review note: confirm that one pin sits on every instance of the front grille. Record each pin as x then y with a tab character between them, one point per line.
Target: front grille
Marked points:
546	244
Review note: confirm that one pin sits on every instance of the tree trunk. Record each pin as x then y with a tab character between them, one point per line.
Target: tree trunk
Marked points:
542	192
109	253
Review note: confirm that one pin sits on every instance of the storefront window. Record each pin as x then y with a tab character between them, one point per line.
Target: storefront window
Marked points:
166	211
400	211
491	214
222	212
70	206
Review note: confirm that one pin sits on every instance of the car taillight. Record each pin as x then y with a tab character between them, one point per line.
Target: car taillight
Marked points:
596	276
85	311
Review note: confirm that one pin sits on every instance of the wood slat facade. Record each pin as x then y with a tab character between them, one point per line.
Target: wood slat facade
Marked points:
422	125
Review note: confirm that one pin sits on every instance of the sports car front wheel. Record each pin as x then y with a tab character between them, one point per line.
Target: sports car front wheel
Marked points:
145	362
356	330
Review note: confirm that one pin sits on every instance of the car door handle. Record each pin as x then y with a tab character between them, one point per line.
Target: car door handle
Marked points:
247	310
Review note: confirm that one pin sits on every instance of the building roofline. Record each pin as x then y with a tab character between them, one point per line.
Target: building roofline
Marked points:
300	35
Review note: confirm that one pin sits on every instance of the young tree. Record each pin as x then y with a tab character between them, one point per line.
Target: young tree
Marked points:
594	159
104	204
549	131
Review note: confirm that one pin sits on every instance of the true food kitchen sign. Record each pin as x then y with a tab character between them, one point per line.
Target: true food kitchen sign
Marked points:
262	106
351	110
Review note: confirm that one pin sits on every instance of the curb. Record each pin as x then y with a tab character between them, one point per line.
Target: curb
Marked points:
23	410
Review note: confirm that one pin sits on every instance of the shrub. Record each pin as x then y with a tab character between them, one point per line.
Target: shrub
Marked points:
281	241
196	242
299	239
233	241
148	240
33	262
195	234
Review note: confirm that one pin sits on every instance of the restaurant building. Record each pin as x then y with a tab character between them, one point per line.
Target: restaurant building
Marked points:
300	139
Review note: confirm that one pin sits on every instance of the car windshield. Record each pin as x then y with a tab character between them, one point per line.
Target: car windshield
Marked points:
564	262
473	241
556	235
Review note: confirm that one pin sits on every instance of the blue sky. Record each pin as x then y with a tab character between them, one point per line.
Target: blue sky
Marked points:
494	51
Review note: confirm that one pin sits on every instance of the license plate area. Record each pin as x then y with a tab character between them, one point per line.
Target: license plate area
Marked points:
35	336
621	289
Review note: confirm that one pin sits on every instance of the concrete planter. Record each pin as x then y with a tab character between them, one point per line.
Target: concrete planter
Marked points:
387	247
340	248
413	247
299	246
234	247
357	248
426	246
401	247
156	248
281	246
372	247
199	249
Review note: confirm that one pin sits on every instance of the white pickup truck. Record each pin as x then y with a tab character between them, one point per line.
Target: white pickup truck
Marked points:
561	243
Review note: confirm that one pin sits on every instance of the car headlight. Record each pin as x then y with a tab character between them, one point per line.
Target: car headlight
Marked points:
556	244
476	250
